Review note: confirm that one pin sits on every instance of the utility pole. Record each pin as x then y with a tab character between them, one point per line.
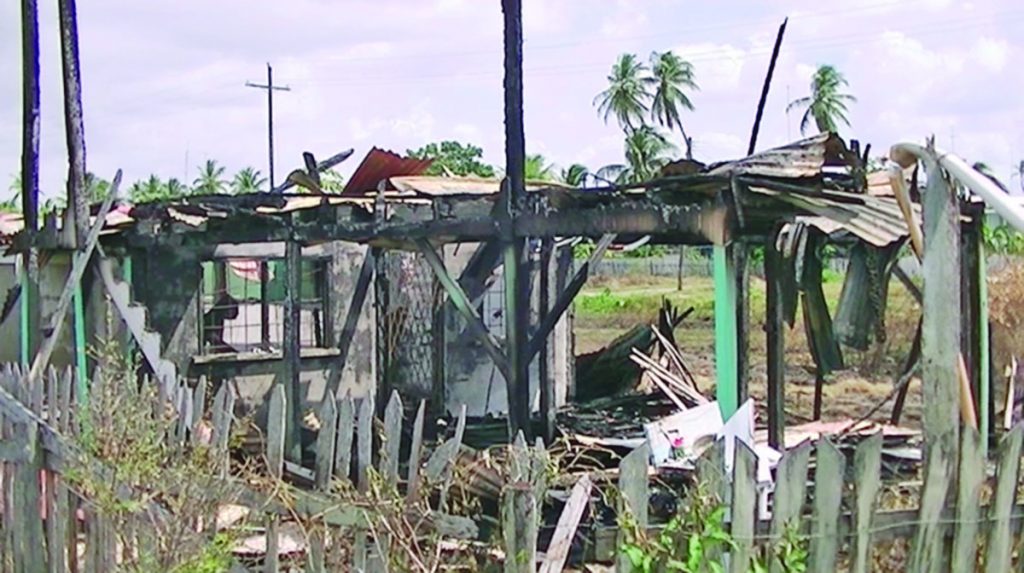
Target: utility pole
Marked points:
270	87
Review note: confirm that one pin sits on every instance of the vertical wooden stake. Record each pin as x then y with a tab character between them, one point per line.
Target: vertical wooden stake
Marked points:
775	333
292	358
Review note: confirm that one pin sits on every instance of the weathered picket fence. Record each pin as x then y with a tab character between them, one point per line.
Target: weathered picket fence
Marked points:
46	527
837	510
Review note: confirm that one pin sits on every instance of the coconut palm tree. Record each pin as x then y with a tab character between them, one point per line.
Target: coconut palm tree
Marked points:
537	168
628	93
673	76
827	104
575	175
248	180
647	151
211	179
174	189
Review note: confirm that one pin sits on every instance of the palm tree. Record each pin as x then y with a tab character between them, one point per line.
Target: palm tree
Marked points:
647	151
537	168
627	94
826	105
210	180
575	175
96	188
672	76
248	180
175	189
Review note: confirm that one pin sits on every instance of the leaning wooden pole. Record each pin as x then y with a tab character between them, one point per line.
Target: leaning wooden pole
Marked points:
30	175
517	310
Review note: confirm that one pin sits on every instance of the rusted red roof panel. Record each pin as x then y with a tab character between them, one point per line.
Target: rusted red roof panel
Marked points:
379	165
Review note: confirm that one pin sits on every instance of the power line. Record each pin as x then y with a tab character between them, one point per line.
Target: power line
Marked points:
271	88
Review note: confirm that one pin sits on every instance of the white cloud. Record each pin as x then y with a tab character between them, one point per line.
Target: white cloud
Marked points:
991	54
717	67
418	124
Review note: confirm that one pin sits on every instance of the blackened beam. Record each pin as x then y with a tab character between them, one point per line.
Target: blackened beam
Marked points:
566	297
446	220
463	305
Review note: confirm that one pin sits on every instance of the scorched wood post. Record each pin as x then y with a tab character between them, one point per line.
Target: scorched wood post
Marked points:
30	176
517	303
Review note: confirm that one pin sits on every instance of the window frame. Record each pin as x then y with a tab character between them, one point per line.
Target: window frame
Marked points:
321	264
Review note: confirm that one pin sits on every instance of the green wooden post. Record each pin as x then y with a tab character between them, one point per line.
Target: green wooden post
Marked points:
24	328
725	330
984	373
81	370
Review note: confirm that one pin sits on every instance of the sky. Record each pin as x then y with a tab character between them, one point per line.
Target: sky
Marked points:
164	82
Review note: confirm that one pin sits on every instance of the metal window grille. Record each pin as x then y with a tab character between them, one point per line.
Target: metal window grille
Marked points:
243	305
406	322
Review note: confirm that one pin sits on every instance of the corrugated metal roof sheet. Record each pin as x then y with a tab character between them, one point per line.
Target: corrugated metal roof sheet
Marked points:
799	160
877	220
379	165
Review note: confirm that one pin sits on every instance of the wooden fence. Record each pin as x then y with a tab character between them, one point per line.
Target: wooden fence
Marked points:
964	522
45	526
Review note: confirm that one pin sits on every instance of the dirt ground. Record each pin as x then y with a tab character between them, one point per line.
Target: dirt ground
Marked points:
609	306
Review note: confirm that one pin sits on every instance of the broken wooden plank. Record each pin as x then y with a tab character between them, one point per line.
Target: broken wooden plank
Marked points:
867	465
790	490
325	441
392	439
565	530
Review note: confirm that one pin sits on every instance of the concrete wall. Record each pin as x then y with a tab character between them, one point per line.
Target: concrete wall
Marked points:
167	282
10	329
472	378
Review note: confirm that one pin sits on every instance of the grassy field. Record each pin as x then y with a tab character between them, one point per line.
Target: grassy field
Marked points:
607	307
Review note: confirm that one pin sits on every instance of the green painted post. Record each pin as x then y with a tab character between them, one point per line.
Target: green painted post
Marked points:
24	316
725	330
80	364
984	393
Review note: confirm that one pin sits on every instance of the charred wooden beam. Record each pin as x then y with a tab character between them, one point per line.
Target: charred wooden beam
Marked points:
463	305
292	346
775	332
30	101
78	203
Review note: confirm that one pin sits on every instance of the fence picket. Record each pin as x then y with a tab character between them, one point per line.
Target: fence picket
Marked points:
633	489
968	501
416	450
364	449
325	440
867	467
999	546
346	431
275	465
790	489
56	500
828	496
392	440
28	547
744	507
